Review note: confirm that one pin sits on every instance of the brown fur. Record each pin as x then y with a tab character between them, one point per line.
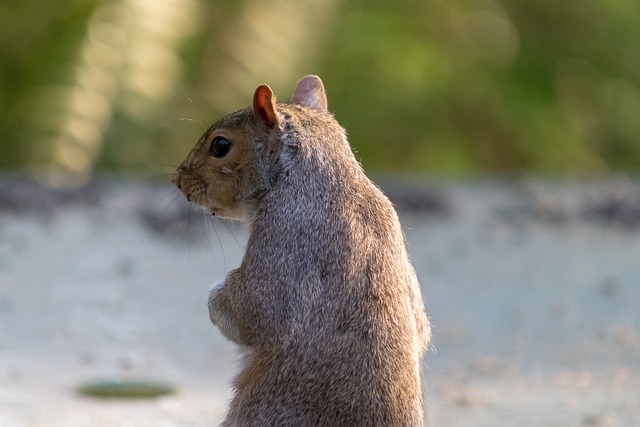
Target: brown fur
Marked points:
325	301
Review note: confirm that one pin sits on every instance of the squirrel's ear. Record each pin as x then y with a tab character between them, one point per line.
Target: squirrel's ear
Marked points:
310	93
264	106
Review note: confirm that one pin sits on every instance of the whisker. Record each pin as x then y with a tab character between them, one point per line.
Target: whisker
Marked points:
229	230
175	224
176	196
189	212
188	98
215	230
179	215
166	165
188	119
206	233
159	175
162	178
202	124
212	222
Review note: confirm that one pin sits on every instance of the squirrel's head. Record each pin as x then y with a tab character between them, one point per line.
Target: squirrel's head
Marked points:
238	159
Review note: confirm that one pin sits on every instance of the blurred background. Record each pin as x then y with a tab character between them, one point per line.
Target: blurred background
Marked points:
450	87
531	279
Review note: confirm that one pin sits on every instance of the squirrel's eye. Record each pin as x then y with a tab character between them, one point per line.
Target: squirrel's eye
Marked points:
219	147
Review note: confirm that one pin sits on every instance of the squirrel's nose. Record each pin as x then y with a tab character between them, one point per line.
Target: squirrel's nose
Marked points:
175	179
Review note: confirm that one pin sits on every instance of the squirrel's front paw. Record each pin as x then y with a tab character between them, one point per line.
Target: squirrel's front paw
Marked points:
215	288
213	292
228	312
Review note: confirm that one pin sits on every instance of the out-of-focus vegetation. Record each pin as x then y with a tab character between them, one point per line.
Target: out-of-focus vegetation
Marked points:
445	86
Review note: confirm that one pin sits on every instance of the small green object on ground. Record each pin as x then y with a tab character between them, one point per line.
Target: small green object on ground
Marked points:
125	389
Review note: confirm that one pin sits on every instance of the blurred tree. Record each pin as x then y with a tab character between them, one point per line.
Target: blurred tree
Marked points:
484	85
447	86
38	45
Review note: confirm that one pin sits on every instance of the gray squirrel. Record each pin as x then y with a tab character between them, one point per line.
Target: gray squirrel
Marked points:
325	301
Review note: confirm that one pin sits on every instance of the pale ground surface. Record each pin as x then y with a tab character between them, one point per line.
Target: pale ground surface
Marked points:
533	289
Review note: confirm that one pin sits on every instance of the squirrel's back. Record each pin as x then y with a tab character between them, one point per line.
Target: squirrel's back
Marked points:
348	323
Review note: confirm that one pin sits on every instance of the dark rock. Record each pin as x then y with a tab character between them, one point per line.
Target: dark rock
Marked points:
21	194
615	209
185	221
417	200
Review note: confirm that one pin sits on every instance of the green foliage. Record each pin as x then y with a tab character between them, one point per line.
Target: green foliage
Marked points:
38	44
458	86
448	86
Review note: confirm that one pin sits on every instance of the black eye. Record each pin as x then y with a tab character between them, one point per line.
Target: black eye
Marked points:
219	147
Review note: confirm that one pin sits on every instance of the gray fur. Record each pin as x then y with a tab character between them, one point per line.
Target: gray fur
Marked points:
326	299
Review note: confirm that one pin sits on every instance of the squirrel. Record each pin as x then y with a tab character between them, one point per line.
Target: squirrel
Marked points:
325	301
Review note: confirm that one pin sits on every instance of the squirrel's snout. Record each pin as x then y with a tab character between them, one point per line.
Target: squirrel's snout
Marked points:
175	179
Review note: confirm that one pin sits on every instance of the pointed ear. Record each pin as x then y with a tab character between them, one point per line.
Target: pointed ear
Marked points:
264	106
310	93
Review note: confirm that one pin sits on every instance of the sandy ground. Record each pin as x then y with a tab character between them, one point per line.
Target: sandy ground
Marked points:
533	288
